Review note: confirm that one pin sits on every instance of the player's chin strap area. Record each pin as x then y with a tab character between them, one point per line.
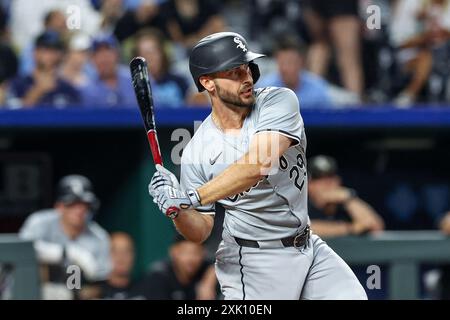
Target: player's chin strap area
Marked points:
297	241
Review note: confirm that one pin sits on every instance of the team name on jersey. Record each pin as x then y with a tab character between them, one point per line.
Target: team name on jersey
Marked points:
243	193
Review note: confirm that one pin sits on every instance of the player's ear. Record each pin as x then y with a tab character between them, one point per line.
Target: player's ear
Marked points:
207	82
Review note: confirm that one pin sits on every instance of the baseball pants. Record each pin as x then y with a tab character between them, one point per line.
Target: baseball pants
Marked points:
313	272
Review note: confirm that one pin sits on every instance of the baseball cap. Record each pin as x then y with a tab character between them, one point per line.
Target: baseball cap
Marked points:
104	40
49	39
77	188
322	166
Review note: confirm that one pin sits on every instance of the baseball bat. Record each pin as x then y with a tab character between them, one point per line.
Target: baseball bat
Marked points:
143	91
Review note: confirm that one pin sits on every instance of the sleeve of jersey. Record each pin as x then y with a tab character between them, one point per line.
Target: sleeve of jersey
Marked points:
280	112
191	178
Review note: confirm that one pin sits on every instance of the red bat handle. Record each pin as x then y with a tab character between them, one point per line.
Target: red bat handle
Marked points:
154	146
156	152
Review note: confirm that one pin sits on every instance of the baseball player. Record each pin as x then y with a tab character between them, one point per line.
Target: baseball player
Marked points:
66	235
249	156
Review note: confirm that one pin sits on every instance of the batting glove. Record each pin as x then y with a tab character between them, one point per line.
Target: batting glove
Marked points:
170	200
162	177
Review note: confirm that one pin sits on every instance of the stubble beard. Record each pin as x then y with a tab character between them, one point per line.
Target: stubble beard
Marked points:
235	100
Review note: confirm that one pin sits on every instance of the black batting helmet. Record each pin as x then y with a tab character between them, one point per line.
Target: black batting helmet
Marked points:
221	51
76	188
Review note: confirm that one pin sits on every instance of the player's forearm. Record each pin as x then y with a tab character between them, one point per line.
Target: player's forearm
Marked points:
193	225
264	151
237	178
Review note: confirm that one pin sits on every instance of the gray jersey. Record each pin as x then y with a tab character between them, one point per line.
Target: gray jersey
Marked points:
276	207
90	250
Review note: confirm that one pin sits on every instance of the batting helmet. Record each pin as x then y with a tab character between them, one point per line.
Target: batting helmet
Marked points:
221	51
76	188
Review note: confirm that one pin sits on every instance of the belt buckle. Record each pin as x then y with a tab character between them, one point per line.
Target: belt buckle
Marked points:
301	236
297	240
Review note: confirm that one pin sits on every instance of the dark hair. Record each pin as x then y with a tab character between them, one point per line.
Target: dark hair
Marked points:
290	42
158	36
49	15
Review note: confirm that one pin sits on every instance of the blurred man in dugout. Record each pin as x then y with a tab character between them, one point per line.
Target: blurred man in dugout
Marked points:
120	284
186	275
334	209
65	236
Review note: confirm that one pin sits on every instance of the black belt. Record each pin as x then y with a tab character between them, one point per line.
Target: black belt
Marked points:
297	241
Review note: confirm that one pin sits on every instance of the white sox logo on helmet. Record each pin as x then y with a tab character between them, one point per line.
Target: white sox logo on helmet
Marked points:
240	44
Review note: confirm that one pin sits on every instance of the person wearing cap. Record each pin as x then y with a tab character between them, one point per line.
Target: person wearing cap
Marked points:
44	87
66	235
53	21
110	85
336	210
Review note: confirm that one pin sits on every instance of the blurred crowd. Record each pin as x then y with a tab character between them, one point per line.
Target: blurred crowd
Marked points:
333	54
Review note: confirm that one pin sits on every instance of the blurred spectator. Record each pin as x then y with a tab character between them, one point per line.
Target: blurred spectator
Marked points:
444	223
311	90
270	19
120	284
444	283
418	30
8	59
74	65
186	276
110	85
169	90
189	21
66	235
54	21
335	210
27	17
111	11
336	23
44	87
147	14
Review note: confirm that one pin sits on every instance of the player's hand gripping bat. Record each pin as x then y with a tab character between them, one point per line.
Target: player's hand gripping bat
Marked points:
143	91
